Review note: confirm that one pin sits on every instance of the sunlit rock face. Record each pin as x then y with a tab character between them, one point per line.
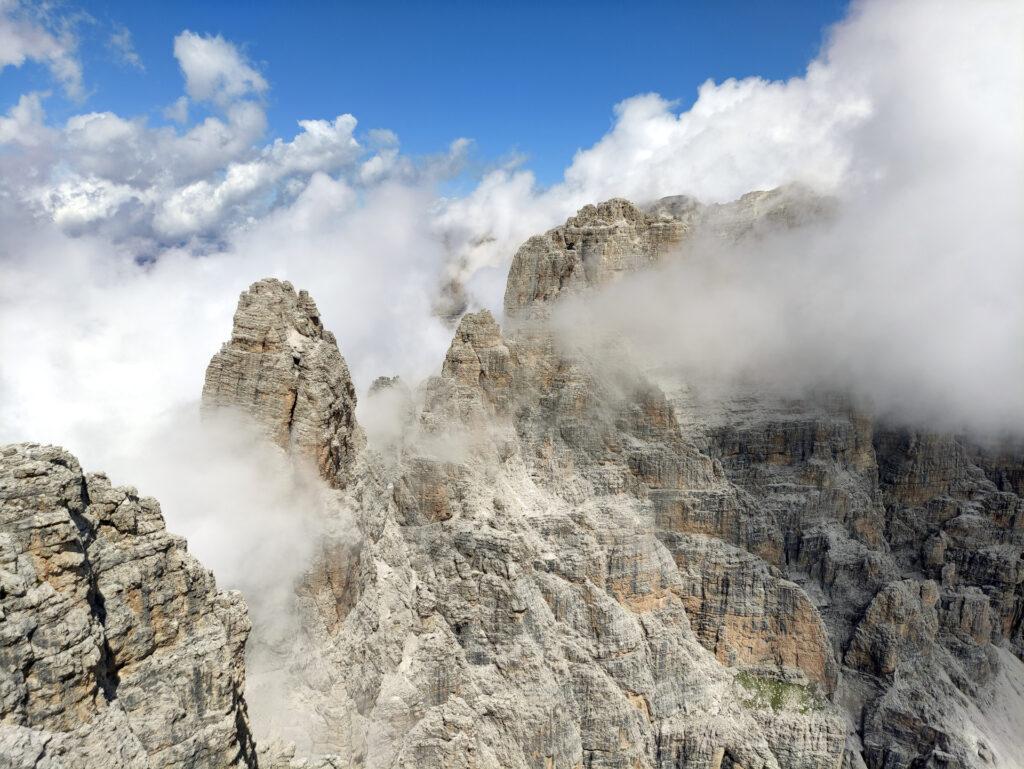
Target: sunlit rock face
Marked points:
117	649
571	561
565	559
282	368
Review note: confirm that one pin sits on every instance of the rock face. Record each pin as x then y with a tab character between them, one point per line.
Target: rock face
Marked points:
568	561
571	565
523	598
609	239
117	649
283	369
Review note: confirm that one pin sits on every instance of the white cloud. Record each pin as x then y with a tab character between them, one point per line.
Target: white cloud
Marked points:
24	37
111	326
111	303
178	111
94	131
909	299
78	200
23	123
209	146
121	43
321	146
738	136
215	70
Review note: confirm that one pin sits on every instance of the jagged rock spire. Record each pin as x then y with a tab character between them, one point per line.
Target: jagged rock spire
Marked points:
285	370
479	357
117	648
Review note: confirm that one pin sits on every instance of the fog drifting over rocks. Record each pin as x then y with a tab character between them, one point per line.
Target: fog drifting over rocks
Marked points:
124	245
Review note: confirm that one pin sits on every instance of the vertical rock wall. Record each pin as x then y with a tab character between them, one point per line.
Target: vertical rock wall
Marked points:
116	648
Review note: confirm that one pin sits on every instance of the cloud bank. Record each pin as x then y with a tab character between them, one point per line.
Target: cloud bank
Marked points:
909	298
125	243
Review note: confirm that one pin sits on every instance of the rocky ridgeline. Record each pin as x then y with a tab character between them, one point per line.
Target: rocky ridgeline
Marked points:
561	565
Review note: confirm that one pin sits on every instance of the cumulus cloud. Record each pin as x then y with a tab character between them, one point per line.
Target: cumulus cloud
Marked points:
23	122
25	36
215	70
77	201
321	147
908	297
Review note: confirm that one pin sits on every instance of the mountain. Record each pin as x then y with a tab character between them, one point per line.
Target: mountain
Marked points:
117	647
566	557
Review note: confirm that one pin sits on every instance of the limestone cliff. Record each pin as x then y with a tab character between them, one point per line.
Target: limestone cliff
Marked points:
117	649
564	563
283	369
567	566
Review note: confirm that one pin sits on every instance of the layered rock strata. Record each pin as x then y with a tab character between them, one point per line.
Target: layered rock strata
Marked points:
283	369
566	564
116	647
565	560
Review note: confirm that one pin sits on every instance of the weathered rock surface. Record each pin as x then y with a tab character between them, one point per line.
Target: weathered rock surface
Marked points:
567	564
566	561
117	649
523	600
283	369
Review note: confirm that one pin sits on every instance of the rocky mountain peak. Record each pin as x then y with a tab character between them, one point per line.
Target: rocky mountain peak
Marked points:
479	357
593	247
602	242
284	369
268	314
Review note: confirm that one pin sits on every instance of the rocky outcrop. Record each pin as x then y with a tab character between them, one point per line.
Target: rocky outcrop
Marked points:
584	565
750	616
604	241
564	560
283	369
523	600
117	648
479	357
594	246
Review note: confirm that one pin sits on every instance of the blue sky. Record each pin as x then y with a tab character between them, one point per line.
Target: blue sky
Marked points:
533	78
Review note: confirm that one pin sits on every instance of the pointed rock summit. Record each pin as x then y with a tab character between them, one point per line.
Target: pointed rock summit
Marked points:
479	357
285	370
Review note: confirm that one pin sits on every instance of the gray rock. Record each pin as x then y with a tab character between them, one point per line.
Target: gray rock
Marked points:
567	561
116	647
283	369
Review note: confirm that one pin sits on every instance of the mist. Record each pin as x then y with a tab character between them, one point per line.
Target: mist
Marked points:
908	296
125	242
256	517
124	247
907	300
108	314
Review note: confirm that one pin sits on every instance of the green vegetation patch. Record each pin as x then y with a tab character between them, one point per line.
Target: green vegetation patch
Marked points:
765	692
